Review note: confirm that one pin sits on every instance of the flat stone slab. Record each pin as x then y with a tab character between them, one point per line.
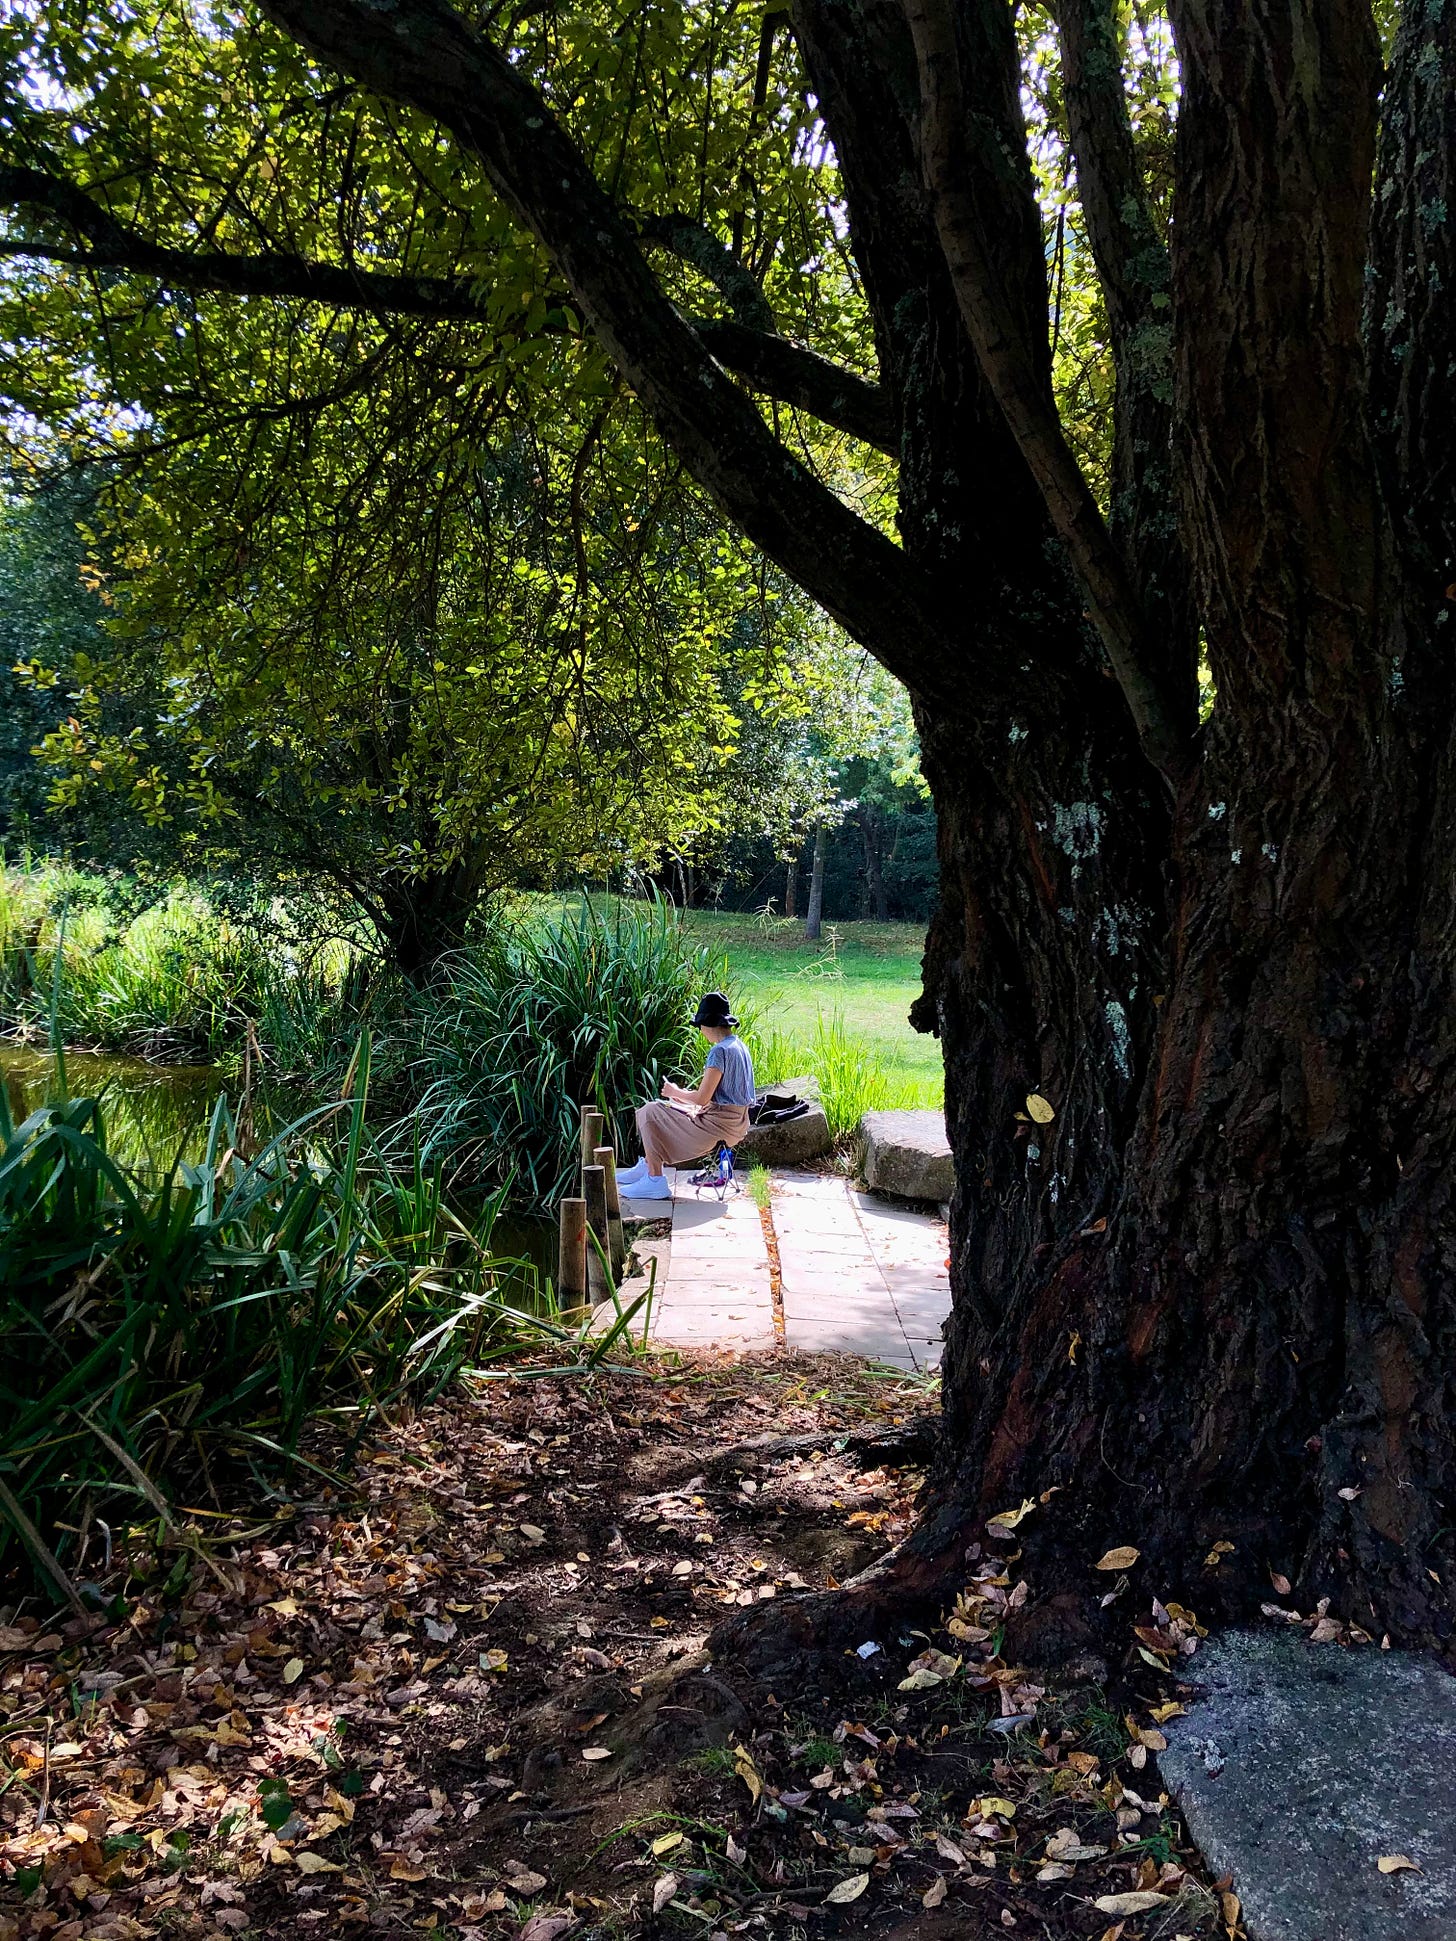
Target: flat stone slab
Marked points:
907	1154
1302	1767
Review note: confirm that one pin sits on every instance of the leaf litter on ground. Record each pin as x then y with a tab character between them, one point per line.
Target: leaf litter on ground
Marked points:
386	1708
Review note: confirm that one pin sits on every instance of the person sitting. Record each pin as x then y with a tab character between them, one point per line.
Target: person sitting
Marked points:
688	1123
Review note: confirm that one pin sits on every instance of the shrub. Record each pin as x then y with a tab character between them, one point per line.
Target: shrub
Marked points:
143	1328
574	1008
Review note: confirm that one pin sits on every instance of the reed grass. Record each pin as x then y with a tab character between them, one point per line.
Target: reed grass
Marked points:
852	1079
147	1331
179	982
583	1006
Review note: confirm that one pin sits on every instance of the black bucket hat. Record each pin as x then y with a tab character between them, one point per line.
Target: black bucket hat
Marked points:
713	1009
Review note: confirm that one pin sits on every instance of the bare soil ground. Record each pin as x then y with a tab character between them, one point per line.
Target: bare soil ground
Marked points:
472	1695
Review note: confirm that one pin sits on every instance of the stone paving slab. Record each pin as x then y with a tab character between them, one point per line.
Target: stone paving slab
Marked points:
1302	1767
857	1277
837	1292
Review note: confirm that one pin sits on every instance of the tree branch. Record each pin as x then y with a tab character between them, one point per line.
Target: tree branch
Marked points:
1025	398
422	54
799	376
695	243
770	363
1131	256
1134	271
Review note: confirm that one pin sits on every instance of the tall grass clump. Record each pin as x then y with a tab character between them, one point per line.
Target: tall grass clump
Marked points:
576	1007
178	982
147	1331
852	1079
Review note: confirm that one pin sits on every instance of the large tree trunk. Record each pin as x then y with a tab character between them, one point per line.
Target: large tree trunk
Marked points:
422	919
1247	1337
872	830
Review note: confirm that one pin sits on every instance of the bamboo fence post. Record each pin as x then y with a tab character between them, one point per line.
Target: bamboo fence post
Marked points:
591	1134
607	1160
571	1263
598	1271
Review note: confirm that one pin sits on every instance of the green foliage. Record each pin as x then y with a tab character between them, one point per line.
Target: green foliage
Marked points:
571	1008
48	614
415	604
177	980
144	1330
852	1080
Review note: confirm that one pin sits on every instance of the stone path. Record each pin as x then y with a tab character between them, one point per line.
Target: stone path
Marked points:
856	1276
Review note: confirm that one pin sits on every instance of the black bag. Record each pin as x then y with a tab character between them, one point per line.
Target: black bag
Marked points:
776	1108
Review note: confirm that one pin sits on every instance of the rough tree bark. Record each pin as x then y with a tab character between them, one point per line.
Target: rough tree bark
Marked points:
1211	1302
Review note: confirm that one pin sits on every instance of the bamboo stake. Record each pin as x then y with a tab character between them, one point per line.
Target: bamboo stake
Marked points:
591	1134
571	1262
598	1255
607	1160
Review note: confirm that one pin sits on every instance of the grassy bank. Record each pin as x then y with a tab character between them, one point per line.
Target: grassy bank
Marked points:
864	975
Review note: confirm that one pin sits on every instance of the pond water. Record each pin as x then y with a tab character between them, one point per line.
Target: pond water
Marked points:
153	1114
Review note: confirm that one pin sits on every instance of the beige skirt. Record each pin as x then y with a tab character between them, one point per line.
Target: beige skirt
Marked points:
671	1137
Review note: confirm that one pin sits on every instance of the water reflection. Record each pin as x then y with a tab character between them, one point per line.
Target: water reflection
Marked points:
154	1113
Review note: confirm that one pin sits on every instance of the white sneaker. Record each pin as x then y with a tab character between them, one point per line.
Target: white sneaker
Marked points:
627	1175
648	1188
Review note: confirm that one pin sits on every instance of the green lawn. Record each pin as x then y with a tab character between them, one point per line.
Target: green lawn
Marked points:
867	974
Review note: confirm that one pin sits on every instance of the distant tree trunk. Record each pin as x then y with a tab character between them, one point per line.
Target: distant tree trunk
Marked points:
791	886
872	830
421	919
814	919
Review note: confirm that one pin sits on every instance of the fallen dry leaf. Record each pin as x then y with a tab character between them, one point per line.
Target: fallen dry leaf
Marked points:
847	1890
935	1893
1041	1110
920	1681
1008	1519
596	1752
1397	1863
1122	1558
524	1880
668	1843
663	1890
1135	1903
1065	1845
745	1769
308	1862
546	1927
